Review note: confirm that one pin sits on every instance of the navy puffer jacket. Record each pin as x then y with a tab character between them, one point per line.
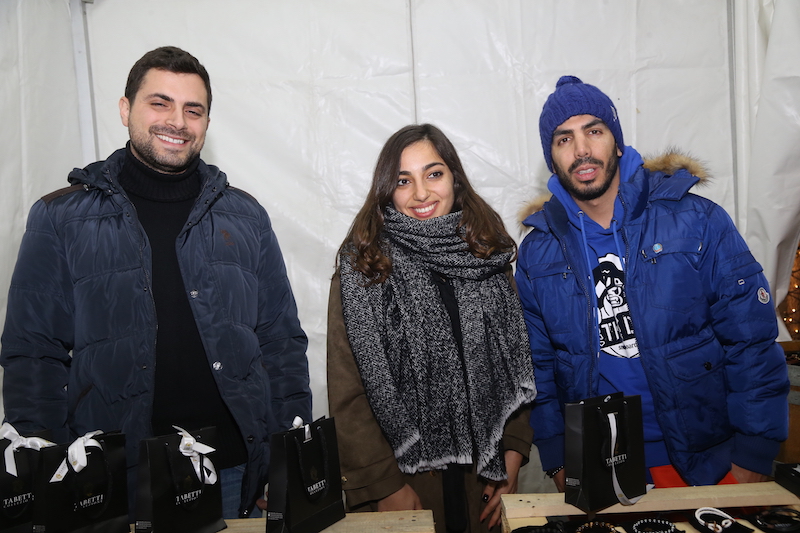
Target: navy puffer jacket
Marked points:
703	317
78	347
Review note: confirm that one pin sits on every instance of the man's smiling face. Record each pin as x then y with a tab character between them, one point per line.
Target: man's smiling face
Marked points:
167	120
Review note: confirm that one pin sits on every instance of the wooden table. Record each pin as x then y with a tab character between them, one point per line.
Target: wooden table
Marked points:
390	521
532	509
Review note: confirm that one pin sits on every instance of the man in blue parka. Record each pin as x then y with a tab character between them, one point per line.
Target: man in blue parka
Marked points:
631	283
151	293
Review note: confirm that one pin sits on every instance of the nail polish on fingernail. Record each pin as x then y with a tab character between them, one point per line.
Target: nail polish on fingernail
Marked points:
486	497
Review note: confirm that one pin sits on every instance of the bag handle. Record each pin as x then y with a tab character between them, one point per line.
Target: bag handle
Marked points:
314	490
190	448
172	459
197	452
8	432
96	510
613	426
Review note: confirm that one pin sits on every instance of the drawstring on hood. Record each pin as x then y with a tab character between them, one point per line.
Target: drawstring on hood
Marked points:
629	162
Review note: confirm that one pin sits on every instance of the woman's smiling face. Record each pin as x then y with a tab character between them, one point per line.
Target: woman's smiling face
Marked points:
425	183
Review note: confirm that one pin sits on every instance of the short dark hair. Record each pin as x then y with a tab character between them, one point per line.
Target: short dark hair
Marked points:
484	231
171	59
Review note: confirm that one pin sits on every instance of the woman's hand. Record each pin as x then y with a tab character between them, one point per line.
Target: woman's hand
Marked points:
493	490
405	499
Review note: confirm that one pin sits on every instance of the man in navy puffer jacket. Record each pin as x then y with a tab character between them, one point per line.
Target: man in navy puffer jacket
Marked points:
631	283
150	293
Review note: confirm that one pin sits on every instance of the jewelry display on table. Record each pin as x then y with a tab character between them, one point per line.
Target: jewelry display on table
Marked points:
781	520
654	525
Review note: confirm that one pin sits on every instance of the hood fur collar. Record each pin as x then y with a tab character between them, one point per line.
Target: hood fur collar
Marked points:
669	162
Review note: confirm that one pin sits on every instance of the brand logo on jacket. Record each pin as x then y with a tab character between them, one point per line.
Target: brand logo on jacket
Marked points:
226	236
763	295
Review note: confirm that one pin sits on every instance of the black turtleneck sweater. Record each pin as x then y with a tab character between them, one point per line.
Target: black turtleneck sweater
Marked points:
185	394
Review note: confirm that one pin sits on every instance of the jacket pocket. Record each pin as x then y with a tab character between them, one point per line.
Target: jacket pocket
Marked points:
562	303
697	390
670	271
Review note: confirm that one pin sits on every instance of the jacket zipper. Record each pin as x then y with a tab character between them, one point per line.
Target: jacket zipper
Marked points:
148	282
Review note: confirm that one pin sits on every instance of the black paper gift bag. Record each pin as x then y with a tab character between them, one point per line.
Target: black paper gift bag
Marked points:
82	487
305	484
19	462
788	477
604	452
177	486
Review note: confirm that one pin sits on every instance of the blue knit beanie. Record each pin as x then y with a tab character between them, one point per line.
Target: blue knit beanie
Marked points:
573	97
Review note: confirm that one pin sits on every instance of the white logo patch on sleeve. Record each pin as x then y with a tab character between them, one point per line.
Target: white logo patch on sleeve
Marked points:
763	295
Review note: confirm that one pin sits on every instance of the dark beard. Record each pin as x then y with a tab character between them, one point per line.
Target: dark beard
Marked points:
585	194
150	157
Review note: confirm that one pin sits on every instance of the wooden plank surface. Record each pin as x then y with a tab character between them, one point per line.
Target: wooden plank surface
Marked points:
750	494
528	509
390	521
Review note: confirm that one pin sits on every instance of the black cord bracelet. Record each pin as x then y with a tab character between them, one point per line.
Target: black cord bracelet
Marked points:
782	520
550	527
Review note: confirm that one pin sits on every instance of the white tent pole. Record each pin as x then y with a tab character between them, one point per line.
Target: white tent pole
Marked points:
83	76
749	33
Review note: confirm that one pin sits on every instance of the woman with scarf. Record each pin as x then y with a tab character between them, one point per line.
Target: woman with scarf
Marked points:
429	367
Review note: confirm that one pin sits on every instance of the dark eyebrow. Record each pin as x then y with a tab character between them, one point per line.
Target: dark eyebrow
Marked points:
589	125
593	123
558	133
170	99
426	167
161	96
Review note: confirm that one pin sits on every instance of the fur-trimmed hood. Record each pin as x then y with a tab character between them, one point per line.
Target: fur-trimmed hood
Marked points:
671	161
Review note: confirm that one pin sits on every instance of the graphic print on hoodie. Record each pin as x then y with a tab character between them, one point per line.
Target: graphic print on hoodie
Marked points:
616	329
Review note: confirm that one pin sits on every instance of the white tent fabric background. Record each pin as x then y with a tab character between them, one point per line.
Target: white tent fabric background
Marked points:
306	92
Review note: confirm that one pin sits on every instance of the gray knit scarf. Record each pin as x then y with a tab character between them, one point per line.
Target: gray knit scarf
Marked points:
433	408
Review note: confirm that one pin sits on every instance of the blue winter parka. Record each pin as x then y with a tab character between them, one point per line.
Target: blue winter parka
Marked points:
79	345
703	318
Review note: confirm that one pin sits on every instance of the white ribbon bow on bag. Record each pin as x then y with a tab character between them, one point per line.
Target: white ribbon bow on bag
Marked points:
76	455
8	432
197	451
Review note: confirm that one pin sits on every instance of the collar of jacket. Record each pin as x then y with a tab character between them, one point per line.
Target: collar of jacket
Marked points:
103	175
666	177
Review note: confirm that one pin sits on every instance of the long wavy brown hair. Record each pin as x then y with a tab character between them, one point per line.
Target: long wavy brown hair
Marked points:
484	231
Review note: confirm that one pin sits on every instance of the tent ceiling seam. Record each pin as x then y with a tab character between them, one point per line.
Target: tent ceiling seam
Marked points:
732	105
83	82
413	60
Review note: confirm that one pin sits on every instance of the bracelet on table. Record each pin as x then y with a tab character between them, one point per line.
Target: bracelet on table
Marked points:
596	527
654	525
549	527
782	520
718	526
553	471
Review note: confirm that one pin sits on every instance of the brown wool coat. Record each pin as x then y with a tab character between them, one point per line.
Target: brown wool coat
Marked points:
369	468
